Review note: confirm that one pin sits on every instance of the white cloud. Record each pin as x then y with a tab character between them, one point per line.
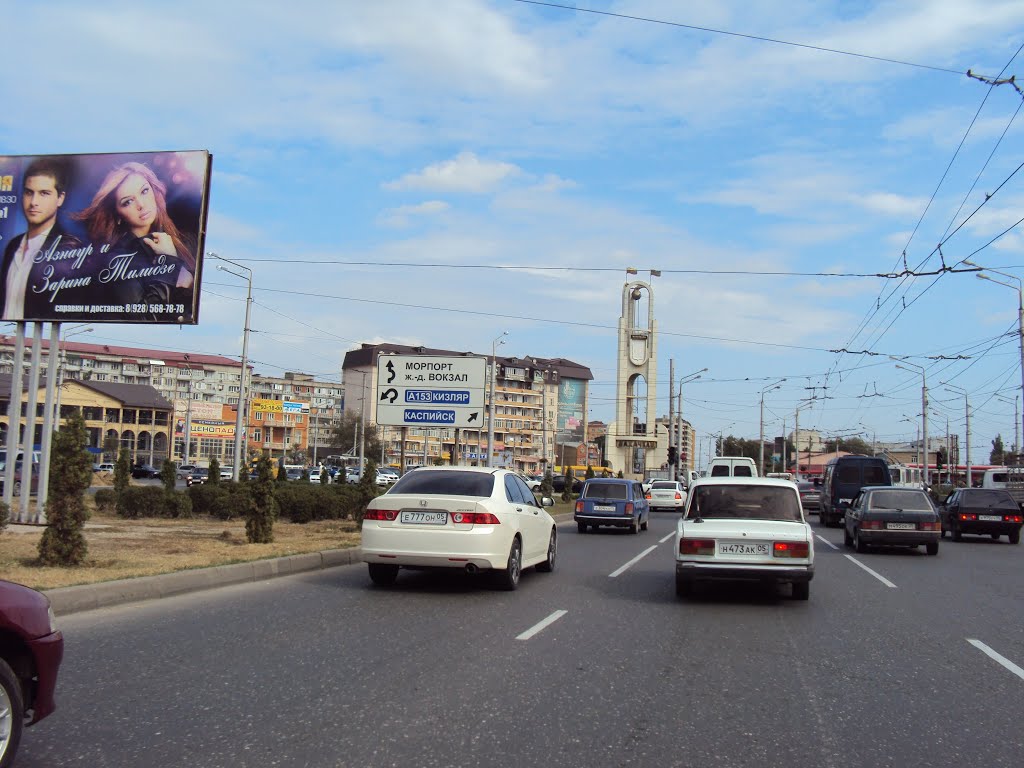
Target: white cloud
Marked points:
402	215
464	173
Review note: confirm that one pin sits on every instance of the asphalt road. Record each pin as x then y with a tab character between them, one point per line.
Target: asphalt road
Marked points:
908	664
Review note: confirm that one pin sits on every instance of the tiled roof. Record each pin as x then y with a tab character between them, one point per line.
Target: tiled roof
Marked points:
127	354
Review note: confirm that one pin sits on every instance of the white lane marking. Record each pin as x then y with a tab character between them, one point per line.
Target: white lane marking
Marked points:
541	625
997	657
878	576
822	539
634	561
660	541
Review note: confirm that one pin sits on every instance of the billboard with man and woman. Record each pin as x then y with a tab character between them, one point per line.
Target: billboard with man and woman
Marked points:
112	238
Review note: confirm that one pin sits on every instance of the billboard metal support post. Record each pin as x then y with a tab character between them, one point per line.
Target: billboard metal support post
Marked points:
27	455
52	367
14	412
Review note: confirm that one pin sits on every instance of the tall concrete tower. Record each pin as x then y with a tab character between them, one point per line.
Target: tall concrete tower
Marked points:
633	432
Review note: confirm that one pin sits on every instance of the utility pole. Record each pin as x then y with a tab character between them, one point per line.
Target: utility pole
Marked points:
671	421
187	452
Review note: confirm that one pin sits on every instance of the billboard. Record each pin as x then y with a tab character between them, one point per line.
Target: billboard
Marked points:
104	238
206	428
277	406
571	400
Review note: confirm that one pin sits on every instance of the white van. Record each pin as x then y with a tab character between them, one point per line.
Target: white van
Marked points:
732	466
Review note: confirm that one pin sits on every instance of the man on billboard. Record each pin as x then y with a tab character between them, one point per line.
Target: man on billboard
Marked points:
42	195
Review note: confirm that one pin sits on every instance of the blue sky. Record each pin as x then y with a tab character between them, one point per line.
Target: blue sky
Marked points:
374	163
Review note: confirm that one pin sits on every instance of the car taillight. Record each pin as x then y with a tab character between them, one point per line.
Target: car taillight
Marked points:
872	525
380	514
475	518
791	549
967	516
696	546
646	495
679	496
629	507
1014	519
579	504
936	526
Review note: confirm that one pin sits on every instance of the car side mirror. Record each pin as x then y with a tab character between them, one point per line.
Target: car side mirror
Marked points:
547	501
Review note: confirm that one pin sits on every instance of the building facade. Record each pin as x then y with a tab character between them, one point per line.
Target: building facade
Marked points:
293	416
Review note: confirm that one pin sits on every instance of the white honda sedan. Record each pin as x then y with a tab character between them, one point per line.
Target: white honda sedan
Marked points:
744	529
468	518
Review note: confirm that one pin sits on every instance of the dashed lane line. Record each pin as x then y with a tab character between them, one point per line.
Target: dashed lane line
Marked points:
998	658
541	625
632	562
877	575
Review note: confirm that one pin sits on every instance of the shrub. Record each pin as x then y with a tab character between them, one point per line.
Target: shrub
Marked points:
168	475
5	515
105	498
262	508
177	505
214	478
63	542
141	501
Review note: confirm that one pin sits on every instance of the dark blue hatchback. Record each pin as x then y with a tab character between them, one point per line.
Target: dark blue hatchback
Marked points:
612	502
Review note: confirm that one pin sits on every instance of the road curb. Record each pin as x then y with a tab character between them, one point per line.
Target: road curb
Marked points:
88	597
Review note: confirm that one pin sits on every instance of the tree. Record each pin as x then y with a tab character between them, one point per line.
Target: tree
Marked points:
110	446
590	472
168	475
346	436
567	488
214	478
63	542
996	457
122	476
261	509
855	445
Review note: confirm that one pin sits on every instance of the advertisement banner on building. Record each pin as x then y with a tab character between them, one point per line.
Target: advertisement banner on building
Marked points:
571	395
278	406
103	238
199	410
203	428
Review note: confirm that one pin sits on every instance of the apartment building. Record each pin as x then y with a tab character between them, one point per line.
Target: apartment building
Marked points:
293	415
539	404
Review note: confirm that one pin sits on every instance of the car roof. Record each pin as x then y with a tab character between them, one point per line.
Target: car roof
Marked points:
482	470
772	482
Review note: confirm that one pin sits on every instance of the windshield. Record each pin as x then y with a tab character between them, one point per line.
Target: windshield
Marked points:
911	501
985	498
746	502
446	482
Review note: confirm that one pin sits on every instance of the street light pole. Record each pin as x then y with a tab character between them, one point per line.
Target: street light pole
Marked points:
1020	309
490	410
769	388
242	393
915	368
679	419
967	423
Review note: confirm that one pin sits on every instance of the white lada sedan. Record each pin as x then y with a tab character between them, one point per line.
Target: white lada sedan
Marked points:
744	529
468	518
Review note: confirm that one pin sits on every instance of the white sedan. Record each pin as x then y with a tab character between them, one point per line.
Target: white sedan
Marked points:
666	494
467	518
744	529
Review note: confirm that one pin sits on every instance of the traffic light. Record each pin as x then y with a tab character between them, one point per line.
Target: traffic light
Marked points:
672	455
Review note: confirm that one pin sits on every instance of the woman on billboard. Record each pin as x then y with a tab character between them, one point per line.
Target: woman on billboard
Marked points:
146	260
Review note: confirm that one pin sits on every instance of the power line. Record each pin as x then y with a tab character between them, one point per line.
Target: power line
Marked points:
757	38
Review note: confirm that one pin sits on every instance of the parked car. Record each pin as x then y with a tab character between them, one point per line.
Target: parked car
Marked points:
294	474
198	475
666	494
981	511
183	471
389	472
744	529
613	502
558	484
467	518
31	649
810	496
892	517
534	482
227	473
145	472
103	467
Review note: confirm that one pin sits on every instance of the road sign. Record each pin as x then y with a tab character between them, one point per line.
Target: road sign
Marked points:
431	391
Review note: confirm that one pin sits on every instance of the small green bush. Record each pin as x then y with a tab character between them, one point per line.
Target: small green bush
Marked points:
106	499
5	515
177	505
214	500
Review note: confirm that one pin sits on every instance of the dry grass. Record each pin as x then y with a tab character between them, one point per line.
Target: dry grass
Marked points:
121	549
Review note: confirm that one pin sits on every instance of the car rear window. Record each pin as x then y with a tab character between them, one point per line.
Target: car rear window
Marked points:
664	486
916	501
875	474
720	470
605	491
744	502
446	483
742	470
983	498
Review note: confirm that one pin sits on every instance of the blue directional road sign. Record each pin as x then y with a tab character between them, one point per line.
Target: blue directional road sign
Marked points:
431	391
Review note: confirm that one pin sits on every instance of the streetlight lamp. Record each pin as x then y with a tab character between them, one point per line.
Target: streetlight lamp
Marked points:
769	388
490	410
690	377
721	439
967	420
242	394
915	368
1019	288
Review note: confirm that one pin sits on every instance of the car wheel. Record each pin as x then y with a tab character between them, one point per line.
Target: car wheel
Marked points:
684	588
509	577
1015	537
635	527
955	533
858	543
847	538
801	590
932	549
382	574
643	525
581	527
549	565
944	532
12	713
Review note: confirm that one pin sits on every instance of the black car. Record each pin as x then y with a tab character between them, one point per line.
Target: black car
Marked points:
892	517
558	484
199	476
145	472
810	496
982	511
